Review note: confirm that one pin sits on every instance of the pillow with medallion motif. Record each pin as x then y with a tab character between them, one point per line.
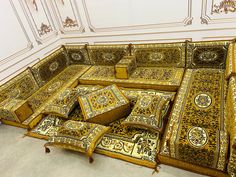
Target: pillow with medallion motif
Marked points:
148	113
77	136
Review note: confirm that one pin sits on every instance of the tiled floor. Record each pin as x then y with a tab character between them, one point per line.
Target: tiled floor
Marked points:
25	157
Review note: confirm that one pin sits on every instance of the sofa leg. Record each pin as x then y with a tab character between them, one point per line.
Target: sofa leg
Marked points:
91	160
47	150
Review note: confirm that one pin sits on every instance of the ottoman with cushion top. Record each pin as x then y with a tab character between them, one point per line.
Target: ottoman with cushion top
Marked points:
105	105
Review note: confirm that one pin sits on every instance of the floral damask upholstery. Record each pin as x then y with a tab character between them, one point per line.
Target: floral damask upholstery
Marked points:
105	105
77	54
13	96
161	78
196	138
147	113
107	54
66	79
125	67
62	103
131	144
207	54
15	110
78	136
50	66
231	124
20	87
162	55
231	61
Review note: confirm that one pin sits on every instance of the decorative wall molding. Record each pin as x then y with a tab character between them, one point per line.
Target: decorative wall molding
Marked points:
223	6
32	54
211	8
157	40
186	21
29	45
67	16
39	20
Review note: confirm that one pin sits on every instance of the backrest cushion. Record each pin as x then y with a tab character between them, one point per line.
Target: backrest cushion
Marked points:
20	87
50	66
77	54
164	55
207	54
107	54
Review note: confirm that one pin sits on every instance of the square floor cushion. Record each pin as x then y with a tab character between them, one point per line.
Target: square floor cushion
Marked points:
105	105
147	113
78	136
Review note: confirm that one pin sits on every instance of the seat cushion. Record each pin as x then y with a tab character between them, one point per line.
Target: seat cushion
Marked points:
65	79
78	136
196	132
38	101
105	105
147	113
62	103
159	78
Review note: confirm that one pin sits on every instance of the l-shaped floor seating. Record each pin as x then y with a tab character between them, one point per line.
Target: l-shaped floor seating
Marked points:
200	133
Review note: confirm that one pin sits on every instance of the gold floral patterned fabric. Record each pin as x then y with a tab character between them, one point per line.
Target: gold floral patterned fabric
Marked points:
50	123
20	87
123	142
105	105
62	103
131	144
107	54
125	67
85	89
78	136
231	124
50	66
231	61
77	54
207	54
15	110
161	78
196	132
68	76
162	55
147	113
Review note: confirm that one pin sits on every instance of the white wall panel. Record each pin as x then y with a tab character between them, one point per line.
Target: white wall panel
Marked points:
13	38
67	16
39	19
218	11
33	28
136	14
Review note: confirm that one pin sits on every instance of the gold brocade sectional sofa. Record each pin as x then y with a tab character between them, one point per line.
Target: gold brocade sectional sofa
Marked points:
200	134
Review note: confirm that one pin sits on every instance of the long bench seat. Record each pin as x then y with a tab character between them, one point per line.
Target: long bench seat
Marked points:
160	78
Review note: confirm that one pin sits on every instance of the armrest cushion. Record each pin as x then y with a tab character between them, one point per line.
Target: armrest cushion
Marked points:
230	61
15	110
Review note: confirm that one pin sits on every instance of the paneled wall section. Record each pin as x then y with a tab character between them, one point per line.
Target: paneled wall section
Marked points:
34	28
